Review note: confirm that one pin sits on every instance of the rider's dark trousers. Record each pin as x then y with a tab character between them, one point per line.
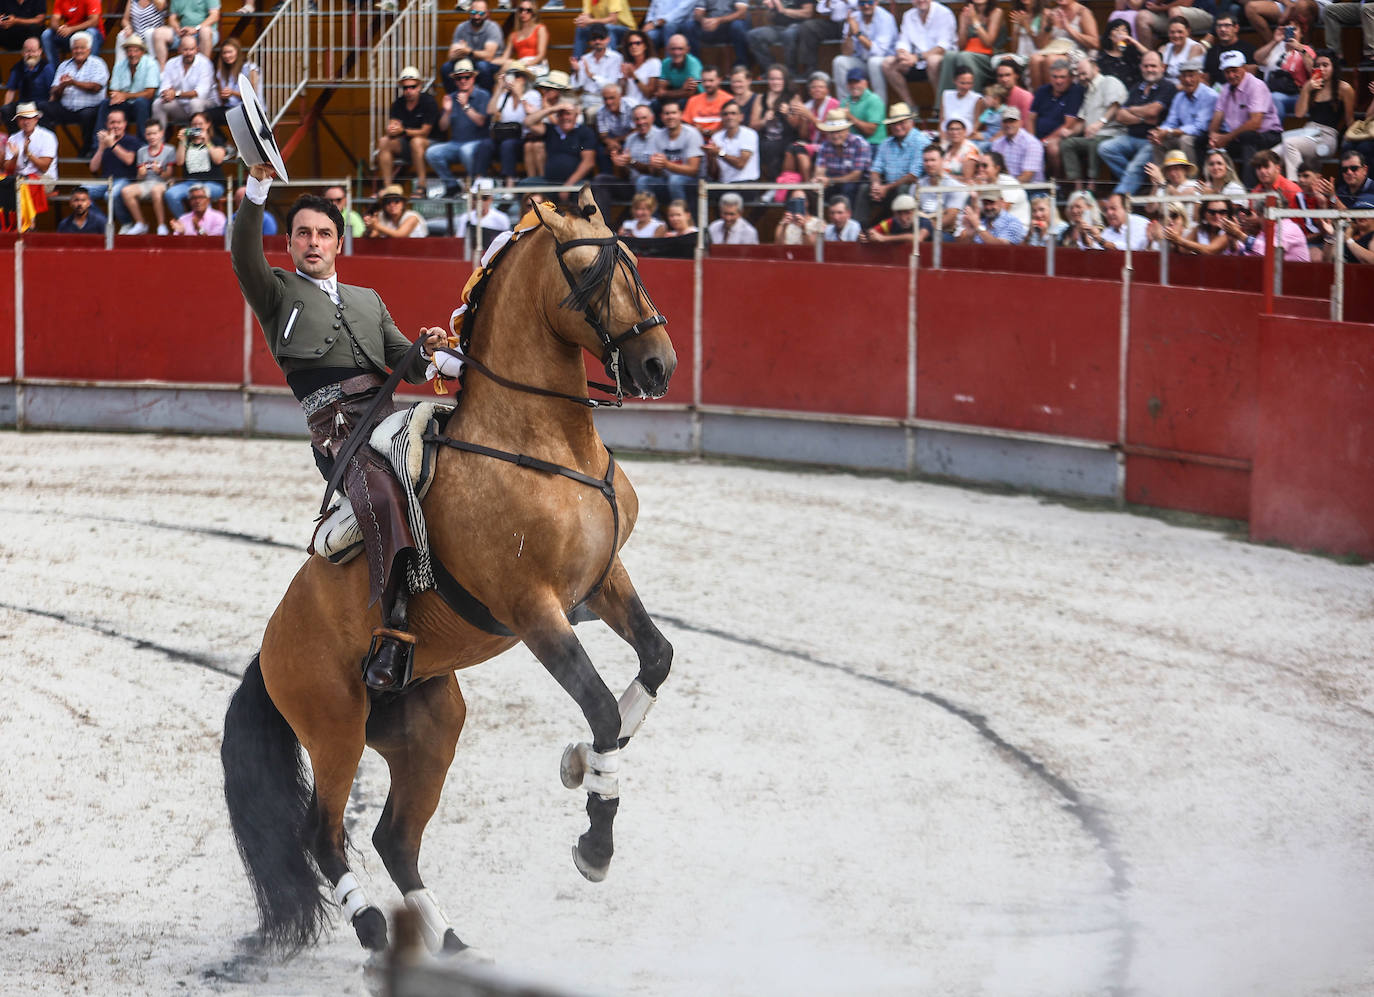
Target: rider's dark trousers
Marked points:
377	499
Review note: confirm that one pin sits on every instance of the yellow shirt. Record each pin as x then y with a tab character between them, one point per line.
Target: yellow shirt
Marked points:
607	8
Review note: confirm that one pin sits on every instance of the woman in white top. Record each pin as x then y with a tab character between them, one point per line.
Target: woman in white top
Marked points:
512	101
230	64
642	224
1180	48
1219	174
393	218
639	81
963	102
148	20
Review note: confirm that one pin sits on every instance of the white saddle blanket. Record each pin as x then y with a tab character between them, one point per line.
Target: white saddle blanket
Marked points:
398	438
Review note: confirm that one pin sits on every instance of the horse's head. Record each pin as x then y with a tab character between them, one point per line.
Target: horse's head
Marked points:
603	306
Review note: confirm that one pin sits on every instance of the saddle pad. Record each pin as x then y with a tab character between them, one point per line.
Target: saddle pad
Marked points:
337	536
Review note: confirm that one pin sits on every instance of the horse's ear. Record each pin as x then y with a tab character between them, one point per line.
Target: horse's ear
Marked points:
586	204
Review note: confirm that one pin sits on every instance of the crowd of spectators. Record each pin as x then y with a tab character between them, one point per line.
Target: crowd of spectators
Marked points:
1166	99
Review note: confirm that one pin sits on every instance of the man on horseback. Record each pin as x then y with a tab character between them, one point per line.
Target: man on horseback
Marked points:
335	343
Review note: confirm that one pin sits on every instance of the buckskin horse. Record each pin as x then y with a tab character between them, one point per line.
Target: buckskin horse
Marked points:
509	522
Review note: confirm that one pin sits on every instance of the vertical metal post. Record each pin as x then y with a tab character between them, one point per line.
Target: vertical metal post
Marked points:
1122	361
698	334
1049	243
109	214
348	210
913	280
1163	262
820	213
1338	280
1268	257
937	230
19	419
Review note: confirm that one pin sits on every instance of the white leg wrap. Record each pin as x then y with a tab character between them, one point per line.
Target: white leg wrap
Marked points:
634	704
433	922
601	777
350	897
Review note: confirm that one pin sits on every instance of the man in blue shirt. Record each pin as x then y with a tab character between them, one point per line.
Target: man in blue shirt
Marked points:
1146	105
465	117
666	18
896	163
29	82
718	22
82	218
1054	112
1188	117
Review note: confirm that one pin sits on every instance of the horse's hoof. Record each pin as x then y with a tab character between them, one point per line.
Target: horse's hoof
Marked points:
370	924
573	766
593	873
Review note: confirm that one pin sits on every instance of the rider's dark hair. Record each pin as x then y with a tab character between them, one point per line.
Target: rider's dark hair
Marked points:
314	202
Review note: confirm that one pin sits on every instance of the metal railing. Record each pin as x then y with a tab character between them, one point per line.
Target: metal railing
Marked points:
997	188
408	41
282	53
704	189
1340	217
92	186
334	43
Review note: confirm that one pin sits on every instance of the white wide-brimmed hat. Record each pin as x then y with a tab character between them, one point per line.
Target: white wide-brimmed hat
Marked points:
253	136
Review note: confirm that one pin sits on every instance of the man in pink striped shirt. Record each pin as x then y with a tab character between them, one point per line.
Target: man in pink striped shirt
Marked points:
1245	120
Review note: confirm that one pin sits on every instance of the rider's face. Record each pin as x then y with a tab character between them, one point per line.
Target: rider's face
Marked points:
314	243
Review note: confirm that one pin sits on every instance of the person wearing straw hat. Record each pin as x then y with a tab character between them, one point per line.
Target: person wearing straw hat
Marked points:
334	342
411	120
1174	177
465	120
32	150
133	85
896	164
843	158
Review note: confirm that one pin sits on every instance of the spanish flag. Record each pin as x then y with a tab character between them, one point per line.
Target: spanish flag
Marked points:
33	201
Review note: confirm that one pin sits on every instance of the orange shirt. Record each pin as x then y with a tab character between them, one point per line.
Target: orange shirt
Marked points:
703	112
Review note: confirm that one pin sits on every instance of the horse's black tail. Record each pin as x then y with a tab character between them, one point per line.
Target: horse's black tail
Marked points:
269	794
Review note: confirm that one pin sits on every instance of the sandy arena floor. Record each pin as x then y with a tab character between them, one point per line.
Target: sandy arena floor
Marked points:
918	739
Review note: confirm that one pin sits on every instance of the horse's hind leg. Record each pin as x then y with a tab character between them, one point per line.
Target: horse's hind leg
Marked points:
417	734
562	654
331	720
619	607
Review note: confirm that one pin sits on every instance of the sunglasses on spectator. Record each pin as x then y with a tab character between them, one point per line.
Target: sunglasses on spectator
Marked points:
635	41
463	76
477	15
410	86
527	10
1351	169
1214	211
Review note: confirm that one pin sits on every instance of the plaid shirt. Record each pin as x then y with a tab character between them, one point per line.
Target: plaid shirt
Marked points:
894	160
92	71
1004	226
1024	152
839	160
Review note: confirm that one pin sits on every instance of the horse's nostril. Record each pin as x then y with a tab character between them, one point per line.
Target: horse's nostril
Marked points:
653	370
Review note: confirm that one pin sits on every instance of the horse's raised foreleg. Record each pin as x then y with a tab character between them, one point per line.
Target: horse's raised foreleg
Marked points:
562	654
619	607
417	734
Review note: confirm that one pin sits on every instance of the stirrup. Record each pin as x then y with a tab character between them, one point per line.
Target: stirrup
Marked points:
401	643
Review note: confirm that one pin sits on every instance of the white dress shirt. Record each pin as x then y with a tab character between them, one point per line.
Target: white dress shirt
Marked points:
940	29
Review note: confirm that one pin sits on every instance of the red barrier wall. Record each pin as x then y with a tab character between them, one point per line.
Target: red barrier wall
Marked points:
810	337
6	314
1191	389
1314	466
132	315
995	350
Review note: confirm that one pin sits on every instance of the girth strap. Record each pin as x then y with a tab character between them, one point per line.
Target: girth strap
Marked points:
467	605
